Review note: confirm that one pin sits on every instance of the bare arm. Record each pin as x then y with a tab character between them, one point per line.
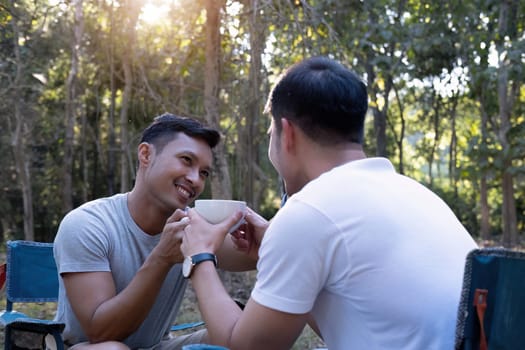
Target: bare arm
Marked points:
257	327
104	314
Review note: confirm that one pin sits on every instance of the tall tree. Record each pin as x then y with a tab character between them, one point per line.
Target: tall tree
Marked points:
483	181
20	122
475	47
220	181
71	105
249	131
132	8
112	143
508	90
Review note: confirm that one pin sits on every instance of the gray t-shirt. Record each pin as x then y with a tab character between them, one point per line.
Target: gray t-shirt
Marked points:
101	236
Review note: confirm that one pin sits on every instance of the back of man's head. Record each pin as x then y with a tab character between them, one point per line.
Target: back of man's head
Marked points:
165	128
324	98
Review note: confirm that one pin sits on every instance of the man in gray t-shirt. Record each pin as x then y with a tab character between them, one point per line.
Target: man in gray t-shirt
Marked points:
119	257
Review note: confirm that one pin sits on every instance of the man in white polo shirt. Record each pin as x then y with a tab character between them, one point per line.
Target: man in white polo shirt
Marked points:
371	259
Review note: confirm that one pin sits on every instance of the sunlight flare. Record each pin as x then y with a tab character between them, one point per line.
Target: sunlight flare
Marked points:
155	11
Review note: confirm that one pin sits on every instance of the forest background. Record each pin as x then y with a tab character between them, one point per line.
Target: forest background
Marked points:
80	79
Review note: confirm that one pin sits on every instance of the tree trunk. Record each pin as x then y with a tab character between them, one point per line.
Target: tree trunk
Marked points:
453	146
401	137
510	228
483	190
84	156
124	139
111	166
220	181
505	102
378	113
71	107
22	157
249	132
434	121
133	10
19	132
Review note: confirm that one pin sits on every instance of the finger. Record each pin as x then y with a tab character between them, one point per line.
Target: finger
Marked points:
176	216
239	233
196	217
193	214
176	226
185	232
231	221
182	223
223	226
253	218
240	244
179	235
253	214
237	238
242	229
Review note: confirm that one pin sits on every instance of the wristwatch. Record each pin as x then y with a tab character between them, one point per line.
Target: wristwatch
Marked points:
191	261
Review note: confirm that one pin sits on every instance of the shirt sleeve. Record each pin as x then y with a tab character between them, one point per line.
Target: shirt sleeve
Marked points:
81	244
294	259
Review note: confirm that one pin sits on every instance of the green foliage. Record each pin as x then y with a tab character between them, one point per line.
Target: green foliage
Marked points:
462	204
429	67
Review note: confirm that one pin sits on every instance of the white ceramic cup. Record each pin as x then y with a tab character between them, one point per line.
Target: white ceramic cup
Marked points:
218	210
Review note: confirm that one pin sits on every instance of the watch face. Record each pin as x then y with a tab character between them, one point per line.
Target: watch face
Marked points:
186	266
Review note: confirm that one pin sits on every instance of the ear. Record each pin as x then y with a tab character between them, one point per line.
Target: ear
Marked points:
288	134
145	151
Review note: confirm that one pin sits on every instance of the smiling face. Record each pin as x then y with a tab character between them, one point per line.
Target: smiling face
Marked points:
177	174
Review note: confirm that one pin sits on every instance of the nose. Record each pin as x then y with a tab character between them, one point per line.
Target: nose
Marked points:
193	176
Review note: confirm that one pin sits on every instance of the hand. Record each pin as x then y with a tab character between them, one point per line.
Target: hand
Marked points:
168	248
203	237
249	236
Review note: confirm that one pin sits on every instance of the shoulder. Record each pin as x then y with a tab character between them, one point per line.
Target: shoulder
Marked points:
98	208
91	221
302	224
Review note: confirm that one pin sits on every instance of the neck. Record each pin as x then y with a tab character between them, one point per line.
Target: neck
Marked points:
145	213
322	159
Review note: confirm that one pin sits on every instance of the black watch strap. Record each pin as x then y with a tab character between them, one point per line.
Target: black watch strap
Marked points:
198	258
191	261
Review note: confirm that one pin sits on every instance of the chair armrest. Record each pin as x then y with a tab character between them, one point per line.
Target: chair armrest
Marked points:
37	326
20	321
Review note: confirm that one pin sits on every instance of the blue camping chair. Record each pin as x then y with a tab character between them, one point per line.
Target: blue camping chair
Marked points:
491	313
31	276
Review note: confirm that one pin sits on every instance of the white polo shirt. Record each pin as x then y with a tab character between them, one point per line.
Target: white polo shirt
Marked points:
375	256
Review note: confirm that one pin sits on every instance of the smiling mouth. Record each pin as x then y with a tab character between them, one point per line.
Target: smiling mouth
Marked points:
183	191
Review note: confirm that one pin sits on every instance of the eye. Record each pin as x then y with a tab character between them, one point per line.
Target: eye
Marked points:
186	159
205	174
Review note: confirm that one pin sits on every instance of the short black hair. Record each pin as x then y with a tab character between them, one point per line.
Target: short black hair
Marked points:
326	100
165	127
